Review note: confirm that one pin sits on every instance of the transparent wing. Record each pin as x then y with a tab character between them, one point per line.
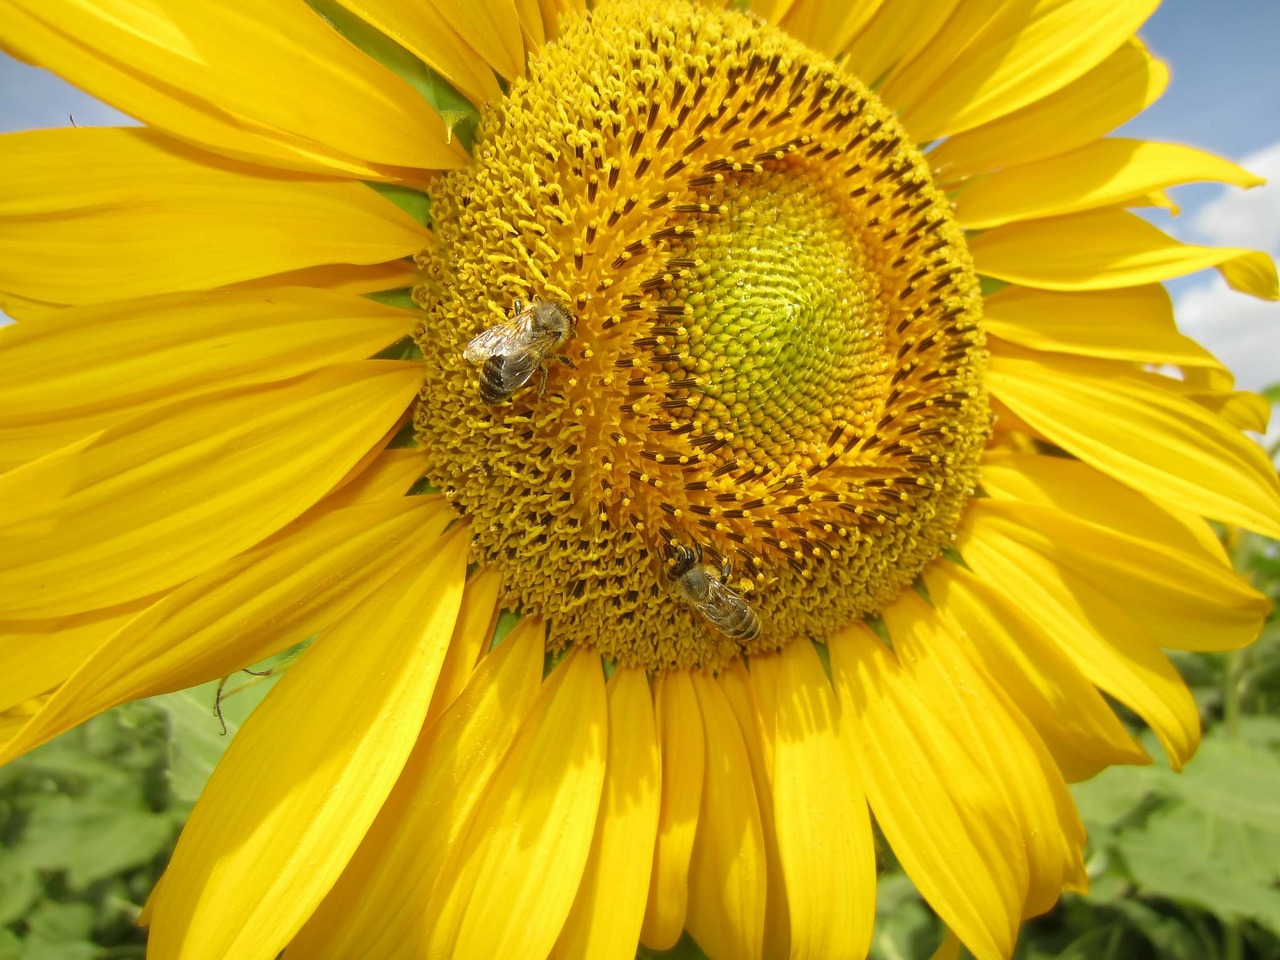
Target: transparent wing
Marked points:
503	337
517	368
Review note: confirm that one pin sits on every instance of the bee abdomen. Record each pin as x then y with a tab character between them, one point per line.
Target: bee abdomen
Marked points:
741	623
493	386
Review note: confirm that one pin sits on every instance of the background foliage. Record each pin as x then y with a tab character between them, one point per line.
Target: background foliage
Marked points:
1183	866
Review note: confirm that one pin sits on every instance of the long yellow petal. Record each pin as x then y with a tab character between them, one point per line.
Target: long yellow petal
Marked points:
1077	725
307	773
912	77
1183	601
84	368
947	823
95	214
895	34
681	743
820	814
1105	644
1116	90
609	908
1110	248
753	697
1129	323
376	907
1019	58
160	498
1078	490
1099	174
272	83
727	871
435	39
40	654
510	881
471	636
828	27
1150	438
279	593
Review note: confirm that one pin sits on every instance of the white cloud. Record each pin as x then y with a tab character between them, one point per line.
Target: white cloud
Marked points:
1242	331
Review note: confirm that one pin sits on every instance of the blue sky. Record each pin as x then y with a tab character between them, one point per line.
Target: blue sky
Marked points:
1224	96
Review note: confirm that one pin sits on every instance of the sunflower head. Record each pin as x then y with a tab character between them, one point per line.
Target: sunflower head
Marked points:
776	358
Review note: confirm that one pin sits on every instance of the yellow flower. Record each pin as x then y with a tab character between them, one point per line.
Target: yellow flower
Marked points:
857	468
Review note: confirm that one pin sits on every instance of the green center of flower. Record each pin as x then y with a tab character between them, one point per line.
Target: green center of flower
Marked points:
771	412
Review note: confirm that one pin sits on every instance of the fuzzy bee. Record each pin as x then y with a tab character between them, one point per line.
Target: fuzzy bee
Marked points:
706	587
510	352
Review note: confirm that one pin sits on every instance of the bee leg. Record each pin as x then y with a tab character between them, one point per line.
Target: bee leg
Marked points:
517	307
726	570
563	359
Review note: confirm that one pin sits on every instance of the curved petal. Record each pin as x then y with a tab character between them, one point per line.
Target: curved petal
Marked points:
84	368
509	882
272	83
945	40
753	698
1113	92
376	907
1128	323
828	27
681	742
609	908
820	814
895	34
727	871
281	592
160	498
95	214
289	803
1077	725
1105	644
1099	174
1110	248
435	40
1019	58
1143	435
471	637
40	654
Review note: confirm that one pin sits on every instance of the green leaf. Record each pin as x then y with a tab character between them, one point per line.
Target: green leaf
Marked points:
60	931
19	887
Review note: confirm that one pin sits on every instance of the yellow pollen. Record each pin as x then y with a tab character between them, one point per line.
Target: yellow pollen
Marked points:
772	396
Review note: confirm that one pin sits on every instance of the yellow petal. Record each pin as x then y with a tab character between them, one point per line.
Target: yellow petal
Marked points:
279	593
828	27
609	908
824	830
1116	90
160	498
946	32
1240	408
272	83
1019	58
1106	645
509	883
1110	248
388	475
946	822
471	636
1183	601
1077	725
376	907
681	743
307	773
727	871
1099	174
83	368
1129	323
895	34
1145	436
532	24
74	229
435	39
40	654
342	278
753	697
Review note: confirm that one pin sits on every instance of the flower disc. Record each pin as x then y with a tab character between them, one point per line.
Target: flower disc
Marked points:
776	355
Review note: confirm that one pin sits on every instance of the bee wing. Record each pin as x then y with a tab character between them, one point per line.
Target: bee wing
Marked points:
518	367
721	600
500	338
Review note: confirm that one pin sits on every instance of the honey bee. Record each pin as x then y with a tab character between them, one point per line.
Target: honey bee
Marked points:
510	352
706	587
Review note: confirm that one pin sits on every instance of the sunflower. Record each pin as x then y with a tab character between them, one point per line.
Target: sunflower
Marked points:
799	375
